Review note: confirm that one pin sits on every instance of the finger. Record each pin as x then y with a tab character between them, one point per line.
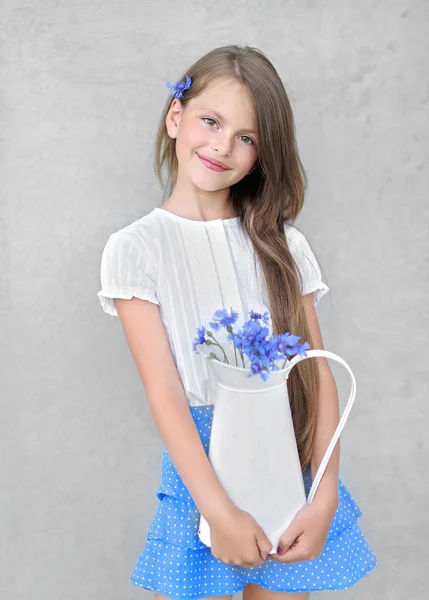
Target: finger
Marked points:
263	543
262	538
295	554
264	549
281	552
289	538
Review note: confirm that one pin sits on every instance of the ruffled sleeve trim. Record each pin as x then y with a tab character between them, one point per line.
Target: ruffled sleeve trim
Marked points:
128	270
108	305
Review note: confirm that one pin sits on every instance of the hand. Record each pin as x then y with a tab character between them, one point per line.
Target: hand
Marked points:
237	539
305	538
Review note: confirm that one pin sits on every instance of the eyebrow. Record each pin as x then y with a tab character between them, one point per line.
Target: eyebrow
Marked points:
221	118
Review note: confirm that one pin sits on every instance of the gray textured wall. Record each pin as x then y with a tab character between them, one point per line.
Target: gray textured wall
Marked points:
81	89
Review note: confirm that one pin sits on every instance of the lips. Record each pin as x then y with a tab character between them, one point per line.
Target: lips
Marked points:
213	164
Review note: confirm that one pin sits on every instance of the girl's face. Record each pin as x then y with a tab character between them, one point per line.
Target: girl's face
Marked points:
219	125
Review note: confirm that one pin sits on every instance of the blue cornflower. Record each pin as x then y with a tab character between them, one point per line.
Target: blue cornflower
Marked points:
302	348
253	342
289	344
258	369
221	318
265	318
200	339
179	87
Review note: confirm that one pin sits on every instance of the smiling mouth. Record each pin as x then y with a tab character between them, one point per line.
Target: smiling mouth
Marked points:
211	165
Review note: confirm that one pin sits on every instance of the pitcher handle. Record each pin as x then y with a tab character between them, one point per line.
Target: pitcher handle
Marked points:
309	354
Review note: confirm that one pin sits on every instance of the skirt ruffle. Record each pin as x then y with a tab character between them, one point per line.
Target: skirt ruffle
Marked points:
175	562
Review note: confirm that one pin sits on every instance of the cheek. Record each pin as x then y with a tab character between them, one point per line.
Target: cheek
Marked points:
193	137
248	156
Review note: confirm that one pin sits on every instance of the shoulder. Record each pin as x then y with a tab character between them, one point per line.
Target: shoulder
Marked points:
294	236
142	233
297	241
129	264
133	248
298	244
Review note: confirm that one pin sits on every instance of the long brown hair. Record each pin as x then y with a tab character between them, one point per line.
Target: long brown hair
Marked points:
264	200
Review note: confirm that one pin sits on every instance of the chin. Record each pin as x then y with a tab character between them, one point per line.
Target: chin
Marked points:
209	183
208	186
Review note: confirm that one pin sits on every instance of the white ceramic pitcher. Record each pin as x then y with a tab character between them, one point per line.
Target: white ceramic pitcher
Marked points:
253	448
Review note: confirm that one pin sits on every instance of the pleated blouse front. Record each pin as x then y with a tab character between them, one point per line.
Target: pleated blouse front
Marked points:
190	269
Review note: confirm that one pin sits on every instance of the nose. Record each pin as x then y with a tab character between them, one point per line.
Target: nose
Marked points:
223	145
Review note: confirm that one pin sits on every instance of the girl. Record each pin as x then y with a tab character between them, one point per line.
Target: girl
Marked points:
235	186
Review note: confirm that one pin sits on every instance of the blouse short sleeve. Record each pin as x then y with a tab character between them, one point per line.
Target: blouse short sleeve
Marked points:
307	264
127	271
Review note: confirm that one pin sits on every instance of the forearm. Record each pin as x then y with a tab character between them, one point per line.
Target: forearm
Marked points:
183	443
327	421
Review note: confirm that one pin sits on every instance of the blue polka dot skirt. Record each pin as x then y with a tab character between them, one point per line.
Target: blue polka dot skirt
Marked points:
175	563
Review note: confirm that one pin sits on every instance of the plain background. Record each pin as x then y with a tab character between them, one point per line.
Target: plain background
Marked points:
82	86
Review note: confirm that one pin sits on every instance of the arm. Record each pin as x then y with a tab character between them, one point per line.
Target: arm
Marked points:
306	536
327	419
148	343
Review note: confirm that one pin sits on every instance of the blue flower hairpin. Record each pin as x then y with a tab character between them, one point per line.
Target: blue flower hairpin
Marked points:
179	87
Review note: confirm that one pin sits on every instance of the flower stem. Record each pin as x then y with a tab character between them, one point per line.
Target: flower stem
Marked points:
216	343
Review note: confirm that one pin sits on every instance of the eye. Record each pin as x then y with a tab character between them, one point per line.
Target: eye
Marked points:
250	140
209	119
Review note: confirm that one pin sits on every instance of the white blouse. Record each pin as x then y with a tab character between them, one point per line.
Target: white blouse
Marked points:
191	269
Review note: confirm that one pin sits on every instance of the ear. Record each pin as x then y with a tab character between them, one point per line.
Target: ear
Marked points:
172	119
